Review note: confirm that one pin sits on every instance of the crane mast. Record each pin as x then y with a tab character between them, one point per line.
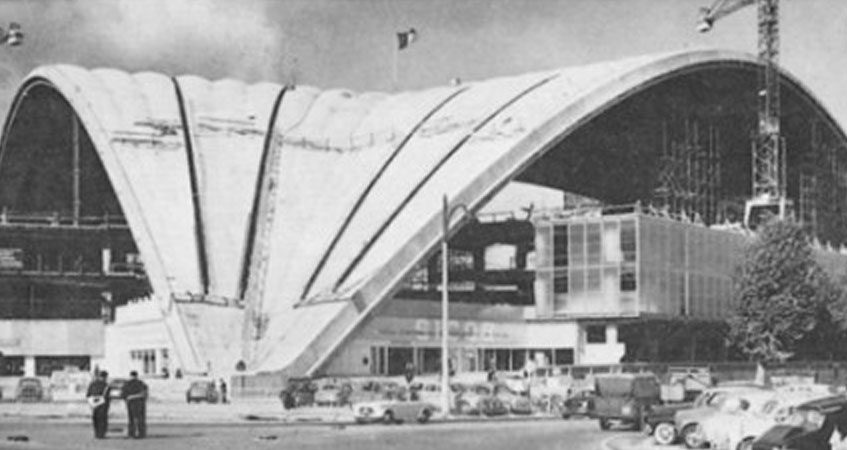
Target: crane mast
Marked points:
769	195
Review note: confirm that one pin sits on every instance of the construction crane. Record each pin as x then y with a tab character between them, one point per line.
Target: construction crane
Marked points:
769	165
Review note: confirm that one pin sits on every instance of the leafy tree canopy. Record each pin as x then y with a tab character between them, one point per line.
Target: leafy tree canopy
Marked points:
785	300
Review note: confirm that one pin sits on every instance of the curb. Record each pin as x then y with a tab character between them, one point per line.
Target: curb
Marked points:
258	419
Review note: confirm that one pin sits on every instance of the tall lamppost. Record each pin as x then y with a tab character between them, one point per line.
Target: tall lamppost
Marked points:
446	215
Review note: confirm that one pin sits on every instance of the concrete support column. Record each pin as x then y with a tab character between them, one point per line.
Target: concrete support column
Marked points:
29	366
611	333
106	259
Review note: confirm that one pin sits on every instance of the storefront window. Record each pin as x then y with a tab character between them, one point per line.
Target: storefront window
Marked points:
560	282
46	365
628	279
12	366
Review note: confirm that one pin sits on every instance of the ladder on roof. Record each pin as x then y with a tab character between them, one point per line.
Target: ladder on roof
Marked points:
255	321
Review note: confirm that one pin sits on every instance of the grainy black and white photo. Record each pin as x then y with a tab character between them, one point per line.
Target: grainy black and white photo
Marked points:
423	224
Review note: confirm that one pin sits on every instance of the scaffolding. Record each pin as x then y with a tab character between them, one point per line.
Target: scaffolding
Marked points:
689	176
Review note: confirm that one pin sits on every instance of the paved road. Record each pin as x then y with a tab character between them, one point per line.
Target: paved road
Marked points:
536	435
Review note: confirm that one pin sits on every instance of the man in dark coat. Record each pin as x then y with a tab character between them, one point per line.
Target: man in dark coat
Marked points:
134	393
98	398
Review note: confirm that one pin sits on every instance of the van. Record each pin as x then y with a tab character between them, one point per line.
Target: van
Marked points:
625	398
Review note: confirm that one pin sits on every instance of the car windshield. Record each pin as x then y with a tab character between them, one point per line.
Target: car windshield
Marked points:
808	420
329	387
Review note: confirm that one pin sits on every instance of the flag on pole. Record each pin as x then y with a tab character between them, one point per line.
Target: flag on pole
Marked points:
404	38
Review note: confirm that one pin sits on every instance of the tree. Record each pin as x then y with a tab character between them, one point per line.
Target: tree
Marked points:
784	299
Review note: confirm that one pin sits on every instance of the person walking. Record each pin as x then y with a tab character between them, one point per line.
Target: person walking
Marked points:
222	385
134	393
98	399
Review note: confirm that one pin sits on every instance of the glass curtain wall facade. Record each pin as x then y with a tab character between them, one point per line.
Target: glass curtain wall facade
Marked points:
636	264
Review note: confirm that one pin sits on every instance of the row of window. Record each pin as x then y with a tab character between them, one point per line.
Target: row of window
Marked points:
14	365
427	360
594	244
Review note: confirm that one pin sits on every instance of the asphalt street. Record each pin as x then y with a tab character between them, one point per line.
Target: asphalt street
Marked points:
536	435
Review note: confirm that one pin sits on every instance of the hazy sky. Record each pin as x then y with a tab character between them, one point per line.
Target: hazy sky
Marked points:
335	43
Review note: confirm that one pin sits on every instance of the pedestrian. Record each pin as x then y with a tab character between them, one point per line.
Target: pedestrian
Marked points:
409	372
98	399
223	391
134	393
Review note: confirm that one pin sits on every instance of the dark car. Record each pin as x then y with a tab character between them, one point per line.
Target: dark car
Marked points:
29	389
580	404
201	391
659	421
298	392
625	398
116	387
810	427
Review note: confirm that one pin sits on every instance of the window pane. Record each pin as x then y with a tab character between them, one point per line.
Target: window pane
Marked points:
576	245
595	334
628	243
560	245
594	243
594	283
577	281
628	282
560	282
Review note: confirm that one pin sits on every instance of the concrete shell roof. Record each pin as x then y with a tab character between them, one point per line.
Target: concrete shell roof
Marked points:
360	180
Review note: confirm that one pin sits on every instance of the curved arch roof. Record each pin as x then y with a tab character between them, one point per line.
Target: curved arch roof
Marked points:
360	181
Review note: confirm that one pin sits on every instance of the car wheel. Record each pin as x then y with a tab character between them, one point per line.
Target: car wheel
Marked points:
664	434
690	437
388	418
605	424
566	416
746	444
424	416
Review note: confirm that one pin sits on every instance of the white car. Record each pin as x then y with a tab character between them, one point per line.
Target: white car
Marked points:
737	427
401	408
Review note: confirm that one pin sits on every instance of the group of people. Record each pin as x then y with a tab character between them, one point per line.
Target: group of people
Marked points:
134	394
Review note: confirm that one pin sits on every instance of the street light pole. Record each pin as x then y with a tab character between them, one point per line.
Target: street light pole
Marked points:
445	309
446	214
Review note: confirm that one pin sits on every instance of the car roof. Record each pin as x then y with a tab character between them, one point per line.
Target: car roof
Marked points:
826	405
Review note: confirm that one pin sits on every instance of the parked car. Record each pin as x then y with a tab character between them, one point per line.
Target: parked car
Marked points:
430	391
480	399
659	421
514	401
737	426
29	389
298	392
201	391
400	407
581	403
116	386
625	398
810	427
332	394
687	421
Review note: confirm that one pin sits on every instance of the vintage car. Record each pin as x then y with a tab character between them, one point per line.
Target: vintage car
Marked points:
687	421
738	424
298	392
29	389
813	425
659	421
333	394
625	398
581	403
430	391
403	406
516	403
480	399
201	391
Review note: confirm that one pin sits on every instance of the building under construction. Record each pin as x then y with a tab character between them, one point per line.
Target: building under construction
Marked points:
155	222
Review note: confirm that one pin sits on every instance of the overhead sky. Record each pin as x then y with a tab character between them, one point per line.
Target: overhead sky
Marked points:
351	43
